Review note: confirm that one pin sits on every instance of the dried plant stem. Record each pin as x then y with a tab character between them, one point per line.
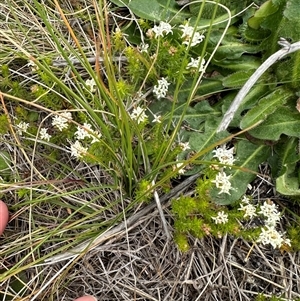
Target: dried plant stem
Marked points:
286	49
92	243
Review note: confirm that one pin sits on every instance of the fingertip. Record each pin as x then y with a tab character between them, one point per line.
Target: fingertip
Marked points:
86	298
4	216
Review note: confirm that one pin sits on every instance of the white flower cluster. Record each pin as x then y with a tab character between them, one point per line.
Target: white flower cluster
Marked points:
247	207
22	127
160	90
61	121
91	84
225	156
269	234
221	218
190	36
86	131
139	115
222	182
44	134
161	29
77	150
195	63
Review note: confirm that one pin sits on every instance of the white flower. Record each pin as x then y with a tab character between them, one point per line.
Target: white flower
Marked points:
270	235
187	31
225	156
181	170
184	146
195	63
44	135
273	219
138	114
22	127
83	132
188	34
61	121
267	209
77	150
250	210
161	29
91	84
156	118
33	65
245	200
160	90
144	47
96	137
196	39
222	182
221	218
287	241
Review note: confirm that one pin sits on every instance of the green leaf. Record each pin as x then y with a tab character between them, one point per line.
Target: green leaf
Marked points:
282	121
194	117
265	10
234	49
245	62
288	183
291	11
249	156
237	79
199	141
266	106
158	10
5	162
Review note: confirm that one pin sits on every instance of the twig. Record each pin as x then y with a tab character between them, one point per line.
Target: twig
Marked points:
287	48
161	213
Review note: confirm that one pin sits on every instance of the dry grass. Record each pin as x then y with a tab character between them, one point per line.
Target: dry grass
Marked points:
131	260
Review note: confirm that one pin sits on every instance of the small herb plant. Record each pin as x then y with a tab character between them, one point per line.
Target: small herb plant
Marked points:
138	104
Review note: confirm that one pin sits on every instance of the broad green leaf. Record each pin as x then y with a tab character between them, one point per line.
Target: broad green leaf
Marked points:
288	183
265	10
234	49
248	102
194	117
237	79
266	106
120	3
291	11
243	63
200	140
158	10
284	152
207	86
249	156
282	121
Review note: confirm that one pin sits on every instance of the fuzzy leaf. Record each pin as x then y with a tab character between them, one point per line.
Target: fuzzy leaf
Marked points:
157	10
266	106
282	121
288	183
292	10
237	79
249	156
243	63
235	50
